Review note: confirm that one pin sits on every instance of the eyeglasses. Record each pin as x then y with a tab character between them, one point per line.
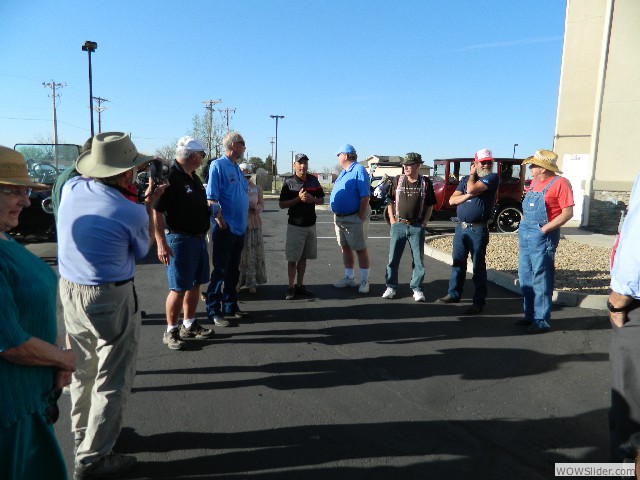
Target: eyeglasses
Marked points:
19	192
241	142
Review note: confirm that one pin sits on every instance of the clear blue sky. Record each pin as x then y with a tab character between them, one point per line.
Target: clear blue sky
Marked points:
442	78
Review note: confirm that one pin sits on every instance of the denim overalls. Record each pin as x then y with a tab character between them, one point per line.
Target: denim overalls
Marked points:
536	265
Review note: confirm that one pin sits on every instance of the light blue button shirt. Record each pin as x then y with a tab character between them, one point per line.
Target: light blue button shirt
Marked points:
625	274
230	189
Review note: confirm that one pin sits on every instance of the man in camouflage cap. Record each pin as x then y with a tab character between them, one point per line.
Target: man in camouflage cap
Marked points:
411	203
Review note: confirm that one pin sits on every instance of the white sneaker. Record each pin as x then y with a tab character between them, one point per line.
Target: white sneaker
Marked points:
345	282
418	296
364	287
389	293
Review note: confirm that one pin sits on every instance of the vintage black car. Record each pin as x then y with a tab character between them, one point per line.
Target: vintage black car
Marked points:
44	163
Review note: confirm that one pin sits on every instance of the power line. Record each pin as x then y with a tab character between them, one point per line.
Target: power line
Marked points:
100	109
226	112
208	104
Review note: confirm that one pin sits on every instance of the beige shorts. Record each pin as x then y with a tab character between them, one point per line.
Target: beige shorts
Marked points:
301	242
351	231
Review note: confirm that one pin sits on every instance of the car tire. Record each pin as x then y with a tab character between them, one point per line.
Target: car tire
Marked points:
507	218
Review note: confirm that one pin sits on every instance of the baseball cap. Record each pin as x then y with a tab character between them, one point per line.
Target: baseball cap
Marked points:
484	155
301	157
412	158
191	144
346	149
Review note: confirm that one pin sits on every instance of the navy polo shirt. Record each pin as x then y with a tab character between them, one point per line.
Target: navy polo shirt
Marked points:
478	209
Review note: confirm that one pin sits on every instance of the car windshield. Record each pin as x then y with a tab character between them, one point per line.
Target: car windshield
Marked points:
45	162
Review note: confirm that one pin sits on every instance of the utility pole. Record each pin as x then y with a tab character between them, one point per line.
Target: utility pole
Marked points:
272	141
226	112
89	47
293	170
208	104
100	109
53	86
275	163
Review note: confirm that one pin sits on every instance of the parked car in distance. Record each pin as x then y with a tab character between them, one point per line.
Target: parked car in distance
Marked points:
44	163
508	207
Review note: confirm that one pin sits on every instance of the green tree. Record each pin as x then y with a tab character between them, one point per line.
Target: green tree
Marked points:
167	152
256	163
210	130
268	164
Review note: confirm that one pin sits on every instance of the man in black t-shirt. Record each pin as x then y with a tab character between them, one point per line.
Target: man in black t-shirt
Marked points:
300	194
181	220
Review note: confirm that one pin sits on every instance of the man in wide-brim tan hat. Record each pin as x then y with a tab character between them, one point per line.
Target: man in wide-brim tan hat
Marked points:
13	170
547	206
101	233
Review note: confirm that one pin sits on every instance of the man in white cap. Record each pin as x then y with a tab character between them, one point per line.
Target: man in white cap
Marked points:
101	233
475	198
350	204
181	223
547	206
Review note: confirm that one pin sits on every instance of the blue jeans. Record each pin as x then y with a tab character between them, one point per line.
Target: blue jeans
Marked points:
472	240
536	271
226	254
401	233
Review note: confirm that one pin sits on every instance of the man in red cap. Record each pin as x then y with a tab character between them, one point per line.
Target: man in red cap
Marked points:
475	197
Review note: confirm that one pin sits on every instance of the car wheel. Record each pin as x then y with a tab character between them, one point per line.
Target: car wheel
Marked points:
507	219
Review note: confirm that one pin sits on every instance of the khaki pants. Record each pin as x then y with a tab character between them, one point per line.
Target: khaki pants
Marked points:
103	323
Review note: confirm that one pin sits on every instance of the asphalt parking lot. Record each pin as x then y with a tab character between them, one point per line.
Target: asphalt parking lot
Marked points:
349	386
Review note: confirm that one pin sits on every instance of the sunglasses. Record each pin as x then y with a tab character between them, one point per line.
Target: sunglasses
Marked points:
19	192
52	411
486	162
241	142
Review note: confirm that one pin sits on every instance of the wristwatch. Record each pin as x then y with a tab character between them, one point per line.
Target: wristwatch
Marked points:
613	309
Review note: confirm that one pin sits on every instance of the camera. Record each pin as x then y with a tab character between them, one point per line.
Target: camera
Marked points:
158	170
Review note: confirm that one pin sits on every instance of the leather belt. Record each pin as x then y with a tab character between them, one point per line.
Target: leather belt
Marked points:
469	225
176	232
123	282
404	220
346	214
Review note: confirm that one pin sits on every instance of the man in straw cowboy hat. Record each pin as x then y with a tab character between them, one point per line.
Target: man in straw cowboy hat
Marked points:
101	233
547	206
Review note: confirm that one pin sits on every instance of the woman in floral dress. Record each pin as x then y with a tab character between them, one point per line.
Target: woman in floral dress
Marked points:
253	271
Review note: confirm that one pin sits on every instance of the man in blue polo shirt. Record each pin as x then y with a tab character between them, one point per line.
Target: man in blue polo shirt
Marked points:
227	193
350	205
475	197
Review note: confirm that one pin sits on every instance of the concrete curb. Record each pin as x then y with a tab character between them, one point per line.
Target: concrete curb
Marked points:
510	282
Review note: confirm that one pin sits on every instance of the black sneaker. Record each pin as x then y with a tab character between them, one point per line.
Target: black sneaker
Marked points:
172	339
473	310
302	290
196	331
290	294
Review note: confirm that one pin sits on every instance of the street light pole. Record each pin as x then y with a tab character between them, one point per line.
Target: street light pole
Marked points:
89	47
275	163
514	150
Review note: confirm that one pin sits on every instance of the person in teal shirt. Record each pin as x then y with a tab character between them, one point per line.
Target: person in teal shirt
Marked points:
32	367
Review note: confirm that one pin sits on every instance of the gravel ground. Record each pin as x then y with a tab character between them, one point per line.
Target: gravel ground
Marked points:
579	267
